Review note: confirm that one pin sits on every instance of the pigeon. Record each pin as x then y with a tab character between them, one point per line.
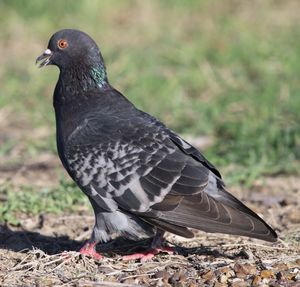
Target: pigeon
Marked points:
141	178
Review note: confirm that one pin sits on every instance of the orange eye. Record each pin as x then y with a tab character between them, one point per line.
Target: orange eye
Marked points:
62	44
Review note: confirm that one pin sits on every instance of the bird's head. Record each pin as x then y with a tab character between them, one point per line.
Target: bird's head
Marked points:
68	48
75	52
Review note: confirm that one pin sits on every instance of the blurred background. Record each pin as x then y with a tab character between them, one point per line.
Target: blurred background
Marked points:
224	74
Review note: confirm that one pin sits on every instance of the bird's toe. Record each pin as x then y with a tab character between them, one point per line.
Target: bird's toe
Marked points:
148	254
89	250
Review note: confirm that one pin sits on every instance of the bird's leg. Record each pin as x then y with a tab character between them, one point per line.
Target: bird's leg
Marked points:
157	243
155	248
89	249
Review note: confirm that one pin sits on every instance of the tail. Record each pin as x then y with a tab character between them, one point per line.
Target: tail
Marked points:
218	212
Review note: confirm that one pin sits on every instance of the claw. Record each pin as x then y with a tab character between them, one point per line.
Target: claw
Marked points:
155	248
148	254
89	250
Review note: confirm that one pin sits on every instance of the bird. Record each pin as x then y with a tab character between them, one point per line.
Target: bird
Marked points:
141	178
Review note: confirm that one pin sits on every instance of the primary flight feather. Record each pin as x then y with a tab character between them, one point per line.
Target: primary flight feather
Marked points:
141	178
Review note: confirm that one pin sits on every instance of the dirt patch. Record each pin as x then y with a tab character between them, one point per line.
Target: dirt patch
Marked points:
42	171
43	250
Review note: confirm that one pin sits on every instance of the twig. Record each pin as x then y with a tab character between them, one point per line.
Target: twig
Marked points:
138	275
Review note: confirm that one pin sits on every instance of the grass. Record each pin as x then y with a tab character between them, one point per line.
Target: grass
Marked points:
222	69
32	201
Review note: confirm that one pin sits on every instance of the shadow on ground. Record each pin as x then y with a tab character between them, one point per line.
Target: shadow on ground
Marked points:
27	240
19	241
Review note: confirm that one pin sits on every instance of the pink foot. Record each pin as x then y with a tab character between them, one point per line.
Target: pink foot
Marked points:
89	250
149	254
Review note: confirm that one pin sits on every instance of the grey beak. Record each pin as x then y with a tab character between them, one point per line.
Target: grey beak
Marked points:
45	58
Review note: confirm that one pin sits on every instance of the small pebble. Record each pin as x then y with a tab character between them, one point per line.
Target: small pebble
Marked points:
242	270
267	274
208	275
227	271
256	281
223	279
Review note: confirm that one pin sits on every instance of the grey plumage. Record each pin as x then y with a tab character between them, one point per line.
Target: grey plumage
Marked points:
139	176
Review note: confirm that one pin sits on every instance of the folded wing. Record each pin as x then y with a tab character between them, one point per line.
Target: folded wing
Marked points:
149	171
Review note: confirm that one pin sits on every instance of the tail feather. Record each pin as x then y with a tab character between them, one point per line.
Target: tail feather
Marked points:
221	214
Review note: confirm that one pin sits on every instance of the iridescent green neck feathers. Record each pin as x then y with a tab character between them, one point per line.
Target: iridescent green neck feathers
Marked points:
98	74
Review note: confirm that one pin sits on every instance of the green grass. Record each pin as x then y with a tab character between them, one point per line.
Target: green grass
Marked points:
32	201
219	68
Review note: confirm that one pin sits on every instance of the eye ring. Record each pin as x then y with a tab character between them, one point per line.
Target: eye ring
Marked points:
62	44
